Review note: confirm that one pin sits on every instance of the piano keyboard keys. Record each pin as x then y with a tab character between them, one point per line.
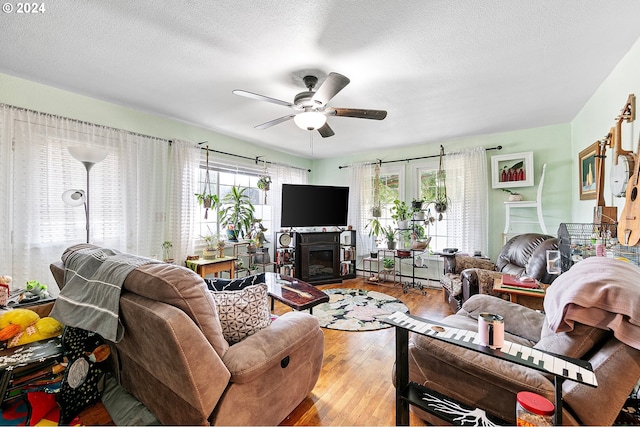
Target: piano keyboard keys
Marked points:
518	353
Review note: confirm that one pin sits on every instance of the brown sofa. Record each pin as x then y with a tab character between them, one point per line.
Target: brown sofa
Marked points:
491	384
174	359
522	254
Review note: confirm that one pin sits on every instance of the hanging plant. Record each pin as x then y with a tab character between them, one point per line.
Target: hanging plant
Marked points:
441	201
264	183
376	211
207	199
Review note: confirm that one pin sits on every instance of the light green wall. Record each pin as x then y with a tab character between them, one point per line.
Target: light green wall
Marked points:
550	144
594	121
38	97
556	145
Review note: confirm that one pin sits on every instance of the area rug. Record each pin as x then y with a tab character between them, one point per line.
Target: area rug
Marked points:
356	309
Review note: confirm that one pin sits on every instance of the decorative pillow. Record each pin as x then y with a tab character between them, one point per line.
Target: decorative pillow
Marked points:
233	284
242	312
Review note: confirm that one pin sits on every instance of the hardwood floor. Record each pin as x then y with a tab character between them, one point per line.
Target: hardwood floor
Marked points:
355	386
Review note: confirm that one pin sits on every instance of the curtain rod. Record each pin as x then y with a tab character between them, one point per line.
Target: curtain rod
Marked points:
256	159
83	122
169	141
380	162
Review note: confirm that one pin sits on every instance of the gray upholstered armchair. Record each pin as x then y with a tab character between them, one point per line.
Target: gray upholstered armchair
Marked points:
524	254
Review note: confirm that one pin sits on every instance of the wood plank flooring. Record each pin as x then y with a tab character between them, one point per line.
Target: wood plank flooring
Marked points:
355	386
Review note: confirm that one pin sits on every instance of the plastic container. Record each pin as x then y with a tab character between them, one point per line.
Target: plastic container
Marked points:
533	410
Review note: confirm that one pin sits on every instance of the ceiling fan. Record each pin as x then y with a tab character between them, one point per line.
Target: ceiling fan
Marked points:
311	106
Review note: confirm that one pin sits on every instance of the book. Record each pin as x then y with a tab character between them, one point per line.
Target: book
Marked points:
520	282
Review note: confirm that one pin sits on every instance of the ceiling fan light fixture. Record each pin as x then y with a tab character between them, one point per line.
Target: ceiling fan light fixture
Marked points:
310	120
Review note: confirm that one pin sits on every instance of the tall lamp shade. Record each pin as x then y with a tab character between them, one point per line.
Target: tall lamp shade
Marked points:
88	156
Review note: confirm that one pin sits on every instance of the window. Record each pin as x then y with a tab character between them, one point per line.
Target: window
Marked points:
222	178
435	222
387	185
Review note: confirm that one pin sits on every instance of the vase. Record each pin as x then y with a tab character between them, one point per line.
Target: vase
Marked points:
208	253
232	235
515	197
403	224
262	256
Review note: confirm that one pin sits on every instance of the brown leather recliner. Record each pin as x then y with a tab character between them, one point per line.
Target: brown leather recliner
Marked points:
524	254
592	300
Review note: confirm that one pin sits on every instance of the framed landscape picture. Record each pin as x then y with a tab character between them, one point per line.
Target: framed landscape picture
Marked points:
512	170
588	173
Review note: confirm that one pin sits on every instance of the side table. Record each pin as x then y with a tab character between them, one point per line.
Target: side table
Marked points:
213	266
528	297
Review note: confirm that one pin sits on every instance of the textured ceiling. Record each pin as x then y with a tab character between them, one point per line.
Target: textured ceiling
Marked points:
442	69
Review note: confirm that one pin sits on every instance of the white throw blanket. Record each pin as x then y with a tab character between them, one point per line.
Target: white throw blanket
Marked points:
90	298
600	292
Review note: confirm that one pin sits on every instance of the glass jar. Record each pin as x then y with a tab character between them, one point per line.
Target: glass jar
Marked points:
533	410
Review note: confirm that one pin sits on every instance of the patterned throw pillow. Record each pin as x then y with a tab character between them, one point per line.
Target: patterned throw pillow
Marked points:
242	312
216	284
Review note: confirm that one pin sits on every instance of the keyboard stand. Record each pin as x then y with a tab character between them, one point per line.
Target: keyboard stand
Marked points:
411	393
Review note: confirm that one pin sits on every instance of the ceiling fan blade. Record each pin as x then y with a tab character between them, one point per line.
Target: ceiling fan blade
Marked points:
264	98
357	113
333	84
326	131
275	122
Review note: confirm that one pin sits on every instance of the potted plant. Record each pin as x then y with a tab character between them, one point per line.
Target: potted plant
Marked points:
514	196
375	227
401	213
388	263
236	213
209	251
208	201
416	204
264	183
389	234
166	251
416	209
206	198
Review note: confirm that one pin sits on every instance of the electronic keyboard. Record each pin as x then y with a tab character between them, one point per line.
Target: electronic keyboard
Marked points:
569	368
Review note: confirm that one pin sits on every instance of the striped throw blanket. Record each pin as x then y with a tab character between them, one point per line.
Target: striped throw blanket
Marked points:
90	298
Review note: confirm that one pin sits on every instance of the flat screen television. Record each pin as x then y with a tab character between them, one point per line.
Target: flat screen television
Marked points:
314	205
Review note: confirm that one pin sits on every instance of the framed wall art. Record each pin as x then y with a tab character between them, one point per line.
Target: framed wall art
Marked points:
512	170
588	173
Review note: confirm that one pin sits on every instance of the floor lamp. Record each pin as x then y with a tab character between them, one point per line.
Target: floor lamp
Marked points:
88	156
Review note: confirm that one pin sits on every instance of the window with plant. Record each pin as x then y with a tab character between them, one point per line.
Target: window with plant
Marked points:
222	179
386	185
436	222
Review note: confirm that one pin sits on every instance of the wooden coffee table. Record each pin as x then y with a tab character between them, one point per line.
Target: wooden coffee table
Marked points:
296	294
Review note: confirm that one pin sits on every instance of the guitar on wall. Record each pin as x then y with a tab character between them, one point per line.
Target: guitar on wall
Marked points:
629	222
623	160
603	214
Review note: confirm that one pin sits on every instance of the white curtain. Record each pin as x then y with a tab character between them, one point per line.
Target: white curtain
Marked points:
129	192
468	189
184	158
281	174
361	204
